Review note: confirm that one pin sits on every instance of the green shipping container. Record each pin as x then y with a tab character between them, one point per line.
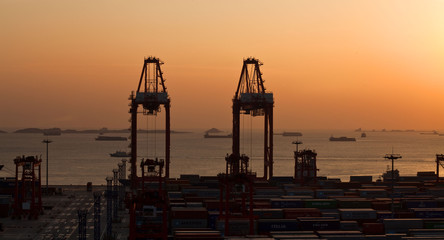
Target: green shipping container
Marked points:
321	203
434	225
397	205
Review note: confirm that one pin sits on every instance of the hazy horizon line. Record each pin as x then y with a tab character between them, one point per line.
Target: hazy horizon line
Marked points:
9	129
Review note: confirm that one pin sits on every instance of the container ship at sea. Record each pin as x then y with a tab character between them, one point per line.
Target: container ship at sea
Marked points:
110	138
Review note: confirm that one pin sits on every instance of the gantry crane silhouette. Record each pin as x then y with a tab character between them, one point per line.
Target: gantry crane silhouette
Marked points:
251	98
151	94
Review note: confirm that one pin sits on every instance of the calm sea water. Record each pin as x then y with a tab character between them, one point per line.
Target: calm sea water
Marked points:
78	158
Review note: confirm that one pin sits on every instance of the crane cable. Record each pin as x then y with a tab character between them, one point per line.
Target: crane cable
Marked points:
147	136
147	117
251	142
9	171
251	83
155	135
243	133
150	79
155	112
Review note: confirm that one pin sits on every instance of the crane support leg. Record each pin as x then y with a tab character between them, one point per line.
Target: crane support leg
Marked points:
167	140
270	148
133	145
266	160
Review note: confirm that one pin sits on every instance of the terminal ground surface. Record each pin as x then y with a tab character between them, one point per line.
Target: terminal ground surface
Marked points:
61	221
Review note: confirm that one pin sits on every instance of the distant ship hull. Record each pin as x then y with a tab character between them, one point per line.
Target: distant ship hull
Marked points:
110	138
342	139
291	134
217	136
120	154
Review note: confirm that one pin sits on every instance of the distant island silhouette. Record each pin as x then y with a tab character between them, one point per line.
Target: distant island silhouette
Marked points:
94	131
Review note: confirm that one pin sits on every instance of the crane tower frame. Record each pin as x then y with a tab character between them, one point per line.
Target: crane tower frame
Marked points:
151	94
251	98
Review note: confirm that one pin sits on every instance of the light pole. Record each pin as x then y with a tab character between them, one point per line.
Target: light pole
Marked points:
393	157
296	159
47	141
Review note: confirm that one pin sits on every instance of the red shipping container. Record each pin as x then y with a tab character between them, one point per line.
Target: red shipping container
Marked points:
351	194
5	210
373	228
385	206
404	215
211	204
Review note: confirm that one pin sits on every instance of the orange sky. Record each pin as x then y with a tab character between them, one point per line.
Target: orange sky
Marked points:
330	64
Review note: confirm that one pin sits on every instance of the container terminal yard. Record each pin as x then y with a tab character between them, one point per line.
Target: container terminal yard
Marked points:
236	204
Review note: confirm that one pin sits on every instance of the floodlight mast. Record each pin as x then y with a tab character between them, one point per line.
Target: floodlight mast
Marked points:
393	157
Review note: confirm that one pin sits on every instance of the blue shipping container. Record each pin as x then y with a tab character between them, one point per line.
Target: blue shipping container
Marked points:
287	203
421	204
429	212
269	225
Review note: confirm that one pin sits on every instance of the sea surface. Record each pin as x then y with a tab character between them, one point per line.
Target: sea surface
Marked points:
78	158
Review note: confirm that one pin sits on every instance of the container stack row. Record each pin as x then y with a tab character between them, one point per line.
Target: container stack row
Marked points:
329	209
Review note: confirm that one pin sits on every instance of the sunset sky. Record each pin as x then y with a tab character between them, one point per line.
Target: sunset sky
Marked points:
330	64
